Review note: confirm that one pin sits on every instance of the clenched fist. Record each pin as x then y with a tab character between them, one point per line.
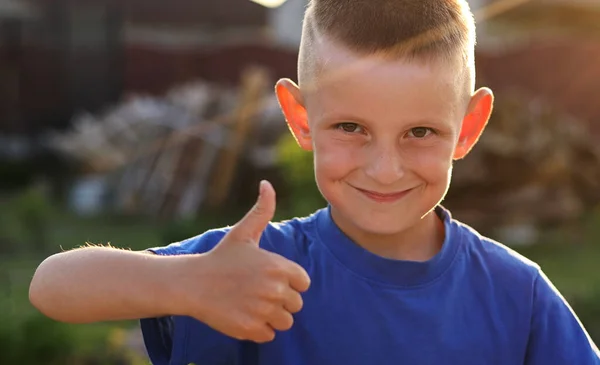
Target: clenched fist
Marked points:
245	292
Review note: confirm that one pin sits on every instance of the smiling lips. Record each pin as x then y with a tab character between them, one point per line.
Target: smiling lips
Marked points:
384	198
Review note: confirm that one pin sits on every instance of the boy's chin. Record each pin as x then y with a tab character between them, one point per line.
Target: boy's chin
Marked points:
381	224
384	228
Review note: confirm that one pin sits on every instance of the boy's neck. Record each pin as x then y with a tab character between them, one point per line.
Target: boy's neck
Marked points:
420	243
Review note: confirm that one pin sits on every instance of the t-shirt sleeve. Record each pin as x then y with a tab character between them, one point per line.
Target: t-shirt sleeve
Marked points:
557	336
194	245
164	336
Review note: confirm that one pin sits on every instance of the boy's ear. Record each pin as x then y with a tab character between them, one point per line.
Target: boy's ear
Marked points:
478	114
292	105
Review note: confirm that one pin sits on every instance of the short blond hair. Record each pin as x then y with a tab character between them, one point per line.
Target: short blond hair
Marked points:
400	29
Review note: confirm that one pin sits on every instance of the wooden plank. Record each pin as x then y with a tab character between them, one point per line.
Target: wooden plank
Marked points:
254	85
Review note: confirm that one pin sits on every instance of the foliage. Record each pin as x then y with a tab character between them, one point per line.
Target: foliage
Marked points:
37	339
34	340
298	174
25	220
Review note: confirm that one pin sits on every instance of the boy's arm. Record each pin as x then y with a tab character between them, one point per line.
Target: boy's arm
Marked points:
95	284
223	279
557	336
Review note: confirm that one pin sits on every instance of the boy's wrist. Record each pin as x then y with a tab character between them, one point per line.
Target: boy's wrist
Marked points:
176	272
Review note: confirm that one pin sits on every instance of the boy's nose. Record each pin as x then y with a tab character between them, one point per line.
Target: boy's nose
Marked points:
385	168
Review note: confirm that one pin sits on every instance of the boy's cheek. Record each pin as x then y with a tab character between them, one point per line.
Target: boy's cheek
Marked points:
334	164
336	156
434	172
432	162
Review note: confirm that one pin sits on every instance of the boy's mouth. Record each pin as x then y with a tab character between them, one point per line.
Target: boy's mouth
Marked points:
383	197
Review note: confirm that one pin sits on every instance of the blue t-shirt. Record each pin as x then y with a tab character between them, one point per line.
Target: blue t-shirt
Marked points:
476	302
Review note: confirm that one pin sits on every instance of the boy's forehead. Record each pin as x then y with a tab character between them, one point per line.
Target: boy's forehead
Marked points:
333	63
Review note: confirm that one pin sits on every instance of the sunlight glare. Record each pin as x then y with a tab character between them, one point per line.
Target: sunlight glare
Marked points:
269	3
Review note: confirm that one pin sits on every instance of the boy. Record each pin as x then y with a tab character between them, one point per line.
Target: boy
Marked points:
383	275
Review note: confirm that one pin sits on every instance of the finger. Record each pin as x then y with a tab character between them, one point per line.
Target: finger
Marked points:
292	301
281	320
251	226
265	334
298	277
253	330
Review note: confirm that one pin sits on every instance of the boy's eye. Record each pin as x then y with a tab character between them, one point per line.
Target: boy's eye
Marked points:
349	127
420	132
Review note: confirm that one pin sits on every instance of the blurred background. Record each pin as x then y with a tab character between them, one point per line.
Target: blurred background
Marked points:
142	122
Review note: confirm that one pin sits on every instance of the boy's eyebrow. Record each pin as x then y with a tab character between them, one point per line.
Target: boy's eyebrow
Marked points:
340	118
423	122
434	123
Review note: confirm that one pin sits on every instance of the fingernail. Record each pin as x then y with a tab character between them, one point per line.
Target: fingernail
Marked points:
261	187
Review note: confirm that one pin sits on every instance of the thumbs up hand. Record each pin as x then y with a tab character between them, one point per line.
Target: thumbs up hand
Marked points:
240	289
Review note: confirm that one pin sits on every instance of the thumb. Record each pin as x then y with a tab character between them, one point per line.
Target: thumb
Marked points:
256	220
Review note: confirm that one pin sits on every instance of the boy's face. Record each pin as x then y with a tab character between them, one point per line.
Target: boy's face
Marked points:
384	135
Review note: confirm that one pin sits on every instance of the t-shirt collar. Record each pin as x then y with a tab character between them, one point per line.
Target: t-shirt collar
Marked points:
388	271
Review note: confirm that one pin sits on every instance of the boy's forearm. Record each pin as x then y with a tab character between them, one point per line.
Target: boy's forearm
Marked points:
102	284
